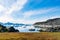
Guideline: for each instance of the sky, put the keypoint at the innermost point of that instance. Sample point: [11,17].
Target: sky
[28,11]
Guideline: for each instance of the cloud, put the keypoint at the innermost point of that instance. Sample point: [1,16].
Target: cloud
[7,3]
[18,5]
[15,6]
[28,15]
[55,17]
[26,29]
[8,18]
[7,11]
[5,18]
[2,8]
[39,11]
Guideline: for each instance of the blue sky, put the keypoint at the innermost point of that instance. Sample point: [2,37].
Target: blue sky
[28,11]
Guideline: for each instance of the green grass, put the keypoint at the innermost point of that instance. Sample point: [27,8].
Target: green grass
[30,36]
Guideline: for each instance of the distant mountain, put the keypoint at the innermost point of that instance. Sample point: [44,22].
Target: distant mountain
[55,21]
[8,24]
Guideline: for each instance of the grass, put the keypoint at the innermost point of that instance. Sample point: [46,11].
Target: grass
[30,36]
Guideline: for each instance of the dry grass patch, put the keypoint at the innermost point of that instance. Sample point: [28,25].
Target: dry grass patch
[30,36]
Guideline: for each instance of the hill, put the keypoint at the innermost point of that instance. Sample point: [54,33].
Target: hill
[55,21]
[51,25]
[5,29]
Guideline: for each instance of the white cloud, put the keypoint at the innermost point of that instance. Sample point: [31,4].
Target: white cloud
[6,11]
[55,17]
[39,11]
[28,14]
[15,6]
[1,8]
[8,18]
